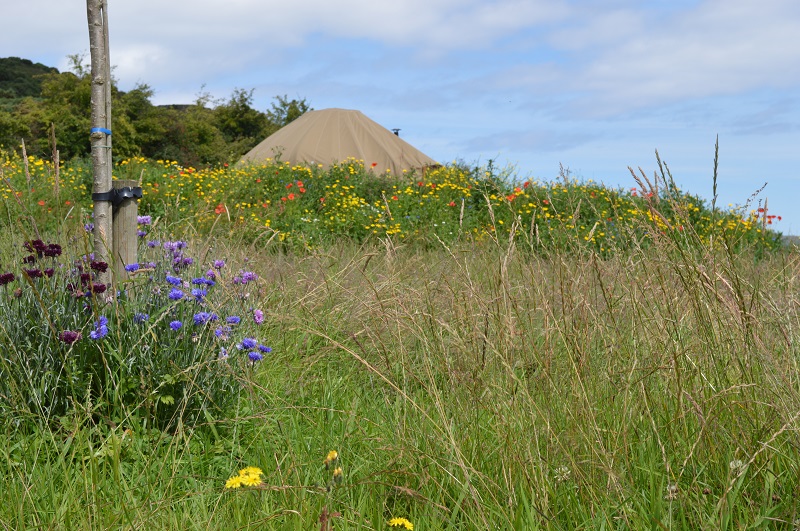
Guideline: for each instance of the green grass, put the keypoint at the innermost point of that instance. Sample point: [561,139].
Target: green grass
[468,384]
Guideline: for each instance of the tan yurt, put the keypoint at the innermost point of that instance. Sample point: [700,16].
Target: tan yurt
[329,136]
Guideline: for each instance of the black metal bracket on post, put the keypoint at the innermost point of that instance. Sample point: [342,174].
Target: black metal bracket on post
[118,195]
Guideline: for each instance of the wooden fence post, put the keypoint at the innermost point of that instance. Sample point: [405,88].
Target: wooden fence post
[124,230]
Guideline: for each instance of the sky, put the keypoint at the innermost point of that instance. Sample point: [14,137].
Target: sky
[595,86]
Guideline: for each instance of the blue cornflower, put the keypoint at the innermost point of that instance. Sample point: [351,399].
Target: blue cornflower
[199,294]
[265,349]
[130,268]
[175,294]
[175,281]
[202,318]
[153,243]
[223,353]
[233,319]
[140,318]
[248,343]
[88,227]
[140,233]
[200,281]
[175,325]
[255,356]
[222,332]
[100,328]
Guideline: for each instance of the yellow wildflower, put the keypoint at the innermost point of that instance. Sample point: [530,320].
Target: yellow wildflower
[234,483]
[250,471]
[401,522]
[250,480]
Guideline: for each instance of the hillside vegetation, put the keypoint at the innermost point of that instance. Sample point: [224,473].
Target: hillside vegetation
[40,103]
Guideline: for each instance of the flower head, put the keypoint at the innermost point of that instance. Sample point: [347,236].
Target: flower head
[69,336]
[144,220]
[400,522]
[255,356]
[258,316]
[175,294]
[175,281]
[248,343]
[175,325]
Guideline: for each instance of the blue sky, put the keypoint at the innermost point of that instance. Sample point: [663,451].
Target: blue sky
[594,85]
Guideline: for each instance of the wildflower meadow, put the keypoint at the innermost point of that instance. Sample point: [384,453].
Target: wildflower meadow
[311,348]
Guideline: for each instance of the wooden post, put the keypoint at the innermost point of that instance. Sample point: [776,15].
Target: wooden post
[125,231]
[100,133]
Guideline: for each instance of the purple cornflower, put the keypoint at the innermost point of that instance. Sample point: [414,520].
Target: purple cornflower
[144,220]
[233,319]
[97,288]
[6,278]
[130,268]
[248,276]
[88,227]
[100,267]
[175,325]
[247,344]
[219,264]
[255,356]
[69,336]
[49,272]
[140,233]
[100,328]
[204,317]
[175,294]
[223,353]
[153,243]
[52,250]
[211,275]
[33,273]
[258,316]
[175,281]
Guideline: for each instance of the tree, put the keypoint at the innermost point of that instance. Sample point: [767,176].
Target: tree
[285,111]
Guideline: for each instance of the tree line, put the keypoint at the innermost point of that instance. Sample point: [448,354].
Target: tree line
[39,103]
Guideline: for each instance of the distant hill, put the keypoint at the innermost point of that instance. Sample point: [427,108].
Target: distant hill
[21,77]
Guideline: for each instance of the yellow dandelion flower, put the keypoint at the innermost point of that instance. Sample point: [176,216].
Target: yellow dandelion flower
[333,455]
[250,471]
[234,483]
[250,481]
[400,522]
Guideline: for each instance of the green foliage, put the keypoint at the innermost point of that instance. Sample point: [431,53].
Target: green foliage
[20,78]
[205,133]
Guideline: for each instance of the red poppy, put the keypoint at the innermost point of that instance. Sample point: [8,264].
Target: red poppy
[220,209]
[291,196]
[451,204]
[41,203]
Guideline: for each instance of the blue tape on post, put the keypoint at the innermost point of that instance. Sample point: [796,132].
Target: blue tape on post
[100,130]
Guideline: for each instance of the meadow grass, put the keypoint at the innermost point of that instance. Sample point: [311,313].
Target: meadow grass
[481,384]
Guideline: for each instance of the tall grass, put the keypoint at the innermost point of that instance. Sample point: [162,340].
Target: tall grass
[465,385]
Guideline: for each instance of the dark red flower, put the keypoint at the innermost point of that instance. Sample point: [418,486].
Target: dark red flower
[69,336]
